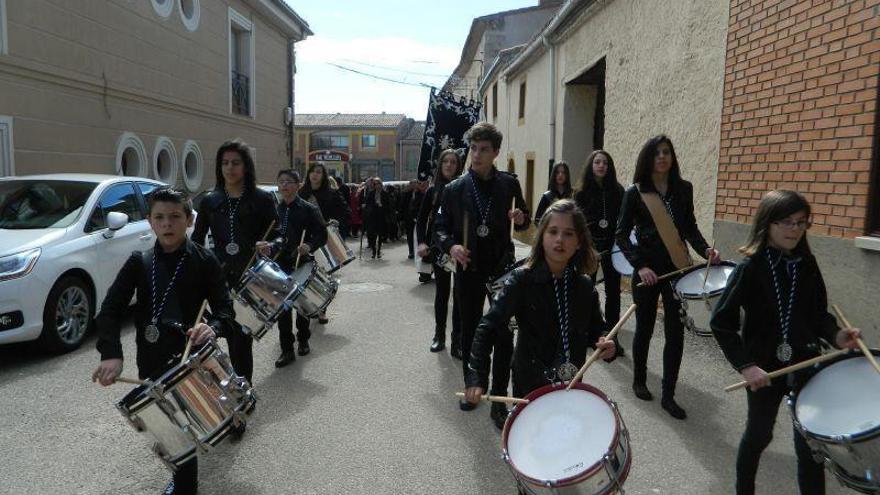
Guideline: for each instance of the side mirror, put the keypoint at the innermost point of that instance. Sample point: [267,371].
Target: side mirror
[115,221]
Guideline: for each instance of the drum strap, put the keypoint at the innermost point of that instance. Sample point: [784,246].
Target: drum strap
[676,248]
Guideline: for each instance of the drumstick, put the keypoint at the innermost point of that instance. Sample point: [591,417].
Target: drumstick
[498,398]
[302,241]
[512,207]
[133,381]
[254,255]
[708,264]
[189,341]
[667,275]
[595,355]
[867,352]
[794,367]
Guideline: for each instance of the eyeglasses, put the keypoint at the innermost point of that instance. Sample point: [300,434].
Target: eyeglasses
[287,182]
[791,224]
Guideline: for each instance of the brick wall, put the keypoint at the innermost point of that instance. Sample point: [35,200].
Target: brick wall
[800,96]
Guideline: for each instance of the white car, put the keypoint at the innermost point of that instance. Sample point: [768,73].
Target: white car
[63,239]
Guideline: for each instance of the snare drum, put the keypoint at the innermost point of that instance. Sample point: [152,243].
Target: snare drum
[446,262]
[567,441]
[618,259]
[335,253]
[267,290]
[838,412]
[190,408]
[315,289]
[690,285]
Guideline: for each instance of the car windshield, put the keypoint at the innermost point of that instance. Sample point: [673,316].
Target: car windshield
[33,204]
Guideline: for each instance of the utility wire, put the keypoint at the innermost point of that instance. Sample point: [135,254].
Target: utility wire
[382,78]
[384,67]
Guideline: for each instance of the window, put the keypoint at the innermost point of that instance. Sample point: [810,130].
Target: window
[165,161]
[4,42]
[193,167]
[7,150]
[241,64]
[412,160]
[163,7]
[324,142]
[522,101]
[190,13]
[495,101]
[368,141]
[147,189]
[121,198]
[131,156]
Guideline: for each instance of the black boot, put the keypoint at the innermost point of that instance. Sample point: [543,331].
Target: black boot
[674,410]
[642,391]
[439,342]
[499,414]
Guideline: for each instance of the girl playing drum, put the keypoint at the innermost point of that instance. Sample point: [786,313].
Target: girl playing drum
[780,289]
[546,296]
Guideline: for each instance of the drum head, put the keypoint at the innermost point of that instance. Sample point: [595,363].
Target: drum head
[690,285]
[842,399]
[620,262]
[561,434]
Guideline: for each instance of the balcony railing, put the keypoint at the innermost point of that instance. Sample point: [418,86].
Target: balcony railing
[241,93]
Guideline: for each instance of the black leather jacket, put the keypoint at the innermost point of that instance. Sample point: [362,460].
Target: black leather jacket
[300,214]
[331,203]
[651,252]
[457,199]
[547,199]
[529,296]
[598,203]
[255,212]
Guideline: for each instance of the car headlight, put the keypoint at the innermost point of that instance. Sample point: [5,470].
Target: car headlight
[19,264]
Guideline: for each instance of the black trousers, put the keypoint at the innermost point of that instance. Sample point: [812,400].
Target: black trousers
[441,306]
[410,236]
[612,291]
[645,299]
[241,353]
[285,330]
[763,408]
[470,294]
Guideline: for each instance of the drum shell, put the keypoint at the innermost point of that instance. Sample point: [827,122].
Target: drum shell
[192,406]
[335,252]
[686,285]
[315,289]
[266,290]
[850,456]
[595,479]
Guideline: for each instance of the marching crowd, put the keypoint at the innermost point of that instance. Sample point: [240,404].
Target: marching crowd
[462,224]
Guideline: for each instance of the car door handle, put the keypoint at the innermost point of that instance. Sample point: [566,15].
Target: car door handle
[145,237]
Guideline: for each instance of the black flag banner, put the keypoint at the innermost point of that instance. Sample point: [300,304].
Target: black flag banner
[448,120]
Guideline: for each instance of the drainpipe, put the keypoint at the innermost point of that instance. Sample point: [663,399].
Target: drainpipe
[291,73]
[552,48]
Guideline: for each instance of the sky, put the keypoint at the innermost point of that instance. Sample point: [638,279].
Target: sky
[413,41]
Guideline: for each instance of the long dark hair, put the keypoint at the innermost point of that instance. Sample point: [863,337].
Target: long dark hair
[440,180]
[588,177]
[247,157]
[552,185]
[307,183]
[776,205]
[586,259]
[645,162]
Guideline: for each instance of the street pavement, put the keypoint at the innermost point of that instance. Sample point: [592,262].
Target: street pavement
[369,411]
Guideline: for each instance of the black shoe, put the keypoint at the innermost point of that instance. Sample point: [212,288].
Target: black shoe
[238,431]
[466,406]
[379,255]
[672,408]
[323,320]
[437,345]
[286,358]
[410,257]
[169,489]
[374,255]
[455,352]
[304,348]
[642,391]
[499,414]
[424,278]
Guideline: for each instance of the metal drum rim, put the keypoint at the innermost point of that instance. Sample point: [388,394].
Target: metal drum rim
[710,294]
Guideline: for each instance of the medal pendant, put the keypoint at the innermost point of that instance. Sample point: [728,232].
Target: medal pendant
[232,249]
[783,352]
[603,224]
[151,333]
[566,371]
[482,230]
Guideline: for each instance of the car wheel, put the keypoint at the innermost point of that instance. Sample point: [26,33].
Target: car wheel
[67,316]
